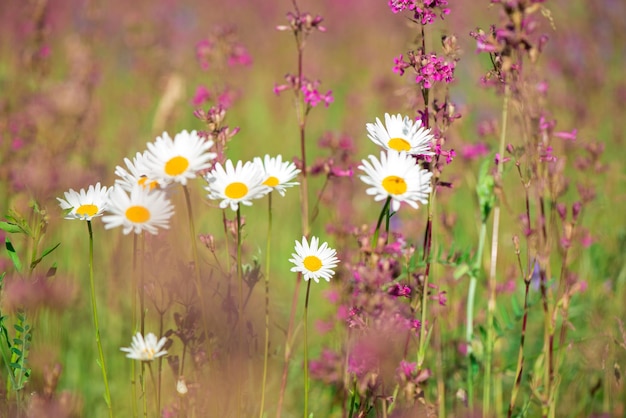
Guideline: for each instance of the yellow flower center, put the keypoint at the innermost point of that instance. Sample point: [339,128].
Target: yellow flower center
[394,185]
[312,263]
[236,190]
[271,181]
[87,210]
[149,353]
[176,166]
[399,144]
[138,214]
[151,184]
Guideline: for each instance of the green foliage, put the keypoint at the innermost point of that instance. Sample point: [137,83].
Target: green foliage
[485,190]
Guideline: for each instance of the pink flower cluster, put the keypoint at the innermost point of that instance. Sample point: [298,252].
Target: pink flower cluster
[429,68]
[312,96]
[222,47]
[423,11]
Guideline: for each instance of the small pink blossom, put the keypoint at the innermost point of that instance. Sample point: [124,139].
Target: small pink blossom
[571,136]
[500,160]
[201,96]
[474,151]
[17,143]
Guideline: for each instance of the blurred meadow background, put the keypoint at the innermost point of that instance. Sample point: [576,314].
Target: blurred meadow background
[85,84]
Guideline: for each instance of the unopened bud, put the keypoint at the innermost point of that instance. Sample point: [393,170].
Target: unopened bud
[181,386]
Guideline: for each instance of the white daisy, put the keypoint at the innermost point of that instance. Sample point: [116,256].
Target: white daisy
[85,205]
[398,176]
[277,174]
[145,349]
[180,159]
[236,185]
[143,210]
[137,172]
[401,135]
[314,262]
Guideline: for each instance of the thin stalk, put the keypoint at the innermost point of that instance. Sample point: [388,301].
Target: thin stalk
[469,325]
[527,279]
[160,367]
[267,302]
[491,304]
[142,285]
[154,385]
[520,356]
[196,261]
[143,390]
[441,385]
[306,351]
[240,319]
[142,316]
[304,208]
[133,367]
[94,310]
[421,353]
[383,212]
[353,398]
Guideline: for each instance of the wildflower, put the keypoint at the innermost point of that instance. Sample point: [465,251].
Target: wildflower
[236,184]
[181,386]
[201,96]
[314,261]
[180,159]
[136,172]
[145,349]
[396,176]
[143,210]
[400,135]
[85,205]
[277,174]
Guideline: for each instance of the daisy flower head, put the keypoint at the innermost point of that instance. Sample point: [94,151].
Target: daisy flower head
[314,261]
[276,173]
[142,210]
[236,184]
[85,205]
[137,171]
[178,160]
[400,134]
[398,176]
[145,349]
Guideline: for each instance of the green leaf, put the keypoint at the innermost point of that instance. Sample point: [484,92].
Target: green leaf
[16,351]
[45,253]
[11,228]
[461,271]
[13,254]
[485,190]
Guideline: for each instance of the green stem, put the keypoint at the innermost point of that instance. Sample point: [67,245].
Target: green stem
[383,212]
[160,367]
[469,330]
[154,385]
[94,308]
[491,305]
[421,353]
[240,319]
[306,351]
[267,302]
[353,399]
[196,261]
[133,366]
[143,389]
